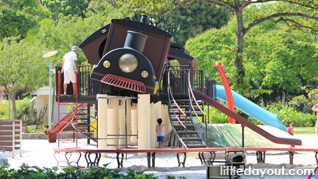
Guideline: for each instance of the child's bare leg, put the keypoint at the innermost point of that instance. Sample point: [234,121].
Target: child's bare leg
[160,144]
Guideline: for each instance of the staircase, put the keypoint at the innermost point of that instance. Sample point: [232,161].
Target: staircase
[84,120]
[182,115]
[184,125]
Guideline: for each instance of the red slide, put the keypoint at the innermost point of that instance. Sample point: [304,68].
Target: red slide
[245,122]
[51,133]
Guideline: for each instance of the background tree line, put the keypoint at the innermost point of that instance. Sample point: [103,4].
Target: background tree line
[279,54]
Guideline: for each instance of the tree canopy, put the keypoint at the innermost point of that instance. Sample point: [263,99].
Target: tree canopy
[192,20]
[294,13]
[279,37]
[277,62]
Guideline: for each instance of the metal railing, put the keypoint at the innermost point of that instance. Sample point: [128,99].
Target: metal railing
[179,80]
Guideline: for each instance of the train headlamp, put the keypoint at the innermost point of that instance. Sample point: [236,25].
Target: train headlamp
[144,74]
[128,63]
[106,64]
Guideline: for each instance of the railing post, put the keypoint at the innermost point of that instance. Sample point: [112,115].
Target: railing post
[202,81]
[243,136]
[191,74]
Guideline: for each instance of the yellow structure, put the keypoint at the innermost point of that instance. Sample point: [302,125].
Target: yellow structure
[123,123]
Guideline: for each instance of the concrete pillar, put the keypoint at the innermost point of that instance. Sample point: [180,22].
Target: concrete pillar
[112,123]
[152,126]
[165,119]
[129,121]
[134,123]
[156,111]
[102,120]
[143,121]
[121,120]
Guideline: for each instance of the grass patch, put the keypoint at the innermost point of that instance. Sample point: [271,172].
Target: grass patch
[305,130]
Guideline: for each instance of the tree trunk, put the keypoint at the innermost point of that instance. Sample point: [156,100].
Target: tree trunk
[239,46]
[14,106]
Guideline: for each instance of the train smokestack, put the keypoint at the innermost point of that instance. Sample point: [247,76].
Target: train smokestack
[144,19]
[135,40]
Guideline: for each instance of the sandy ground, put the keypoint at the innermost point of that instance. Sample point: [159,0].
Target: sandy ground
[40,153]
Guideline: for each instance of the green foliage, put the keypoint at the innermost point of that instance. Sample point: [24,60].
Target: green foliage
[66,7]
[215,116]
[17,17]
[289,116]
[41,130]
[278,62]
[215,45]
[26,171]
[192,20]
[22,66]
[25,111]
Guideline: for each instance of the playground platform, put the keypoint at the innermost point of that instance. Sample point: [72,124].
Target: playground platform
[40,153]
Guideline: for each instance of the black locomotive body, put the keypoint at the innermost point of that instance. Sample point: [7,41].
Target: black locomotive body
[129,56]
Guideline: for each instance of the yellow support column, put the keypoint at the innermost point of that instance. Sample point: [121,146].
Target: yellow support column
[121,119]
[129,121]
[113,123]
[102,120]
[156,113]
[165,119]
[152,126]
[134,124]
[143,121]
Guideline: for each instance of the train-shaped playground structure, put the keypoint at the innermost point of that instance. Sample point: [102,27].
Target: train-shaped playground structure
[129,59]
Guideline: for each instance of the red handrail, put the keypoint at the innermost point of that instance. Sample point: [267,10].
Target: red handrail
[58,100]
[76,96]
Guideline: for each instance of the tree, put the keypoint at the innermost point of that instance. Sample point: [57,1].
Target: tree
[279,62]
[293,13]
[20,67]
[17,17]
[66,7]
[189,21]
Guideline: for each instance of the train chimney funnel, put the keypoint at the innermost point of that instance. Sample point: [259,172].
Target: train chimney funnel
[144,19]
[135,40]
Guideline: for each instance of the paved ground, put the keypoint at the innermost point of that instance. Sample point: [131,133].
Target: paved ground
[40,153]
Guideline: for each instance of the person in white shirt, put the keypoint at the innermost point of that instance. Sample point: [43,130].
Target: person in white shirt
[69,68]
[159,131]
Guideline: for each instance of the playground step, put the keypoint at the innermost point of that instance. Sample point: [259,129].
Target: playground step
[180,127]
[196,145]
[187,132]
[181,119]
[184,105]
[191,139]
[177,112]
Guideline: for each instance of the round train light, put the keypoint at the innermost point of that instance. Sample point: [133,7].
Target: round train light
[106,64]
[144,74]
[128,63]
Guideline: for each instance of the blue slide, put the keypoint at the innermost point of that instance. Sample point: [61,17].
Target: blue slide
[251,109]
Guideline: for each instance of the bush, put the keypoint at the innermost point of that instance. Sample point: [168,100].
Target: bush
[284,113]
[289,116]
[26,171]
[25,112]
[216,116]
